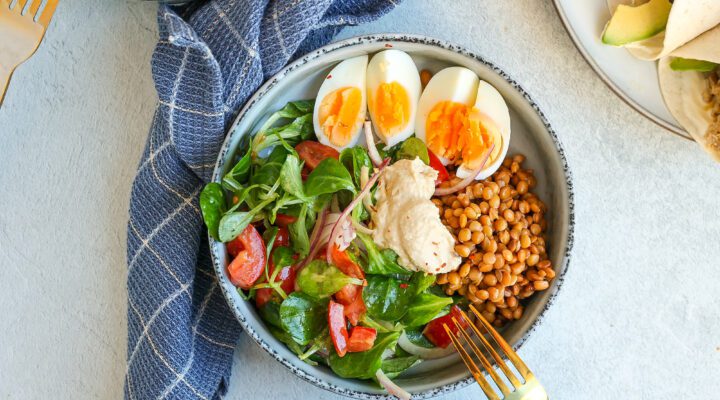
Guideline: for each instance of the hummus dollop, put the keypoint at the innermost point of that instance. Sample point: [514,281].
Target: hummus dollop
[407,222]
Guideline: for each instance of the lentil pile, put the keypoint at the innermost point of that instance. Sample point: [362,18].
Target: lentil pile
[712,97]
[499,226]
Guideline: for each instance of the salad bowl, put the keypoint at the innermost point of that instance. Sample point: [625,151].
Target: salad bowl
[532,136]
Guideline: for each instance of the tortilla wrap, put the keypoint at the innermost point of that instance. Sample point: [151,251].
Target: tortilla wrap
[688,19]
[682,92]
[705,47]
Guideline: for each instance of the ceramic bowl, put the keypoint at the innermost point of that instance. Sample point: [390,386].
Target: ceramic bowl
[531,135]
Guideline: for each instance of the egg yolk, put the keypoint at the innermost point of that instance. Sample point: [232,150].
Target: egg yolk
[461,134]
[390,108]
[338,114]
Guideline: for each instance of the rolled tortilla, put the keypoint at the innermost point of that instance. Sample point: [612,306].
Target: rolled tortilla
[688,19]
[705,47]
[682,92]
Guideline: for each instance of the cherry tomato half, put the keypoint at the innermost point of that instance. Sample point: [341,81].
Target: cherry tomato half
[249,262]
[338,328]
[282,238]
[435,331]
[313,152]
[361,338]
[284,219]
[355,309]
[286,275]
[345,264]
[437,166]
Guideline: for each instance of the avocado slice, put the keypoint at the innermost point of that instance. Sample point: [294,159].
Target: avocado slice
[688,64]
[631,24]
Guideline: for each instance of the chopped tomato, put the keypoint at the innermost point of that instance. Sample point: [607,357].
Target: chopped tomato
[356,308]
[347,294]
[338,328]
[361,338]
[284,219]
[313,152]
[283,237]
[249,263]
[437,166]
[435,331]
[286,276]
[345,264]
[263,296]
[305,172]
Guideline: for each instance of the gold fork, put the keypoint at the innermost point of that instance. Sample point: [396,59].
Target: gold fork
[20,34]
[529,390]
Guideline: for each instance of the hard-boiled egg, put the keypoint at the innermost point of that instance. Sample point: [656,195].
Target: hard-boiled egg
[460,117]
[341,103]
[393,87]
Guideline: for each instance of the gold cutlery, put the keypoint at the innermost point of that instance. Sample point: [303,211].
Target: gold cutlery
[21,32]
[469,334]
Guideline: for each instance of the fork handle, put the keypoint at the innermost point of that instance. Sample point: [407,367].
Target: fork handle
[5,74]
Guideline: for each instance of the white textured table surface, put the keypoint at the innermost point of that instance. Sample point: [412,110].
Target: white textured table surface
[638,316]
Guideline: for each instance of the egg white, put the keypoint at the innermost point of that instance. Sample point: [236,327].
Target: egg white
[491,102]
[349,73]
[394,66]
[456,84]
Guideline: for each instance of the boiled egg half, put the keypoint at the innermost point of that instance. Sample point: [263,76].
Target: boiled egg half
[460,117]
[341,103]
[393,87]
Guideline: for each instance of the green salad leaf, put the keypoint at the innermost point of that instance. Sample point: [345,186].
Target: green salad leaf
[285,337]
[239,173]
[320,279]
[421,281]
[413,147]
[270,313]
[212,206]
[387,298]
[416,337]
[329,176]
[269,171]
[354,158]
[392,367]
[381,262]
[299,233]
[363,365]
[299,128]
[290,178]
[303,317]
[424,308]
[232,224]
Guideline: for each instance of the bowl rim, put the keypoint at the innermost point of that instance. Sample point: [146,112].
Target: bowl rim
[669,126]
[381,38]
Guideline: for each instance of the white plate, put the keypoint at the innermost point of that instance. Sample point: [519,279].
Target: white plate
[635,81]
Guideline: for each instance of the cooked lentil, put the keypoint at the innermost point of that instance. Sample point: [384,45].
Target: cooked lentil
[712,97]
[499,226]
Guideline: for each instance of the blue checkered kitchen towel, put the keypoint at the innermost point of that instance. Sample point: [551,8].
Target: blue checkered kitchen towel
[181,333]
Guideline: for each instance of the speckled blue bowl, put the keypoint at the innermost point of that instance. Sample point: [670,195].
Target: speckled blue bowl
[531,135]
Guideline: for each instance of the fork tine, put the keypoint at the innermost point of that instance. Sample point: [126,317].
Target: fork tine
[34,7]
[47,13]
[498,360]
[498,381]
[20,5]
[509,352]
[474,370]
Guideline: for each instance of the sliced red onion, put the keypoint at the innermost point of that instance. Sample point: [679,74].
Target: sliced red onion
[463,183]
[314,239]
[372,150]
[366,189]
[391,387]
[347,231]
